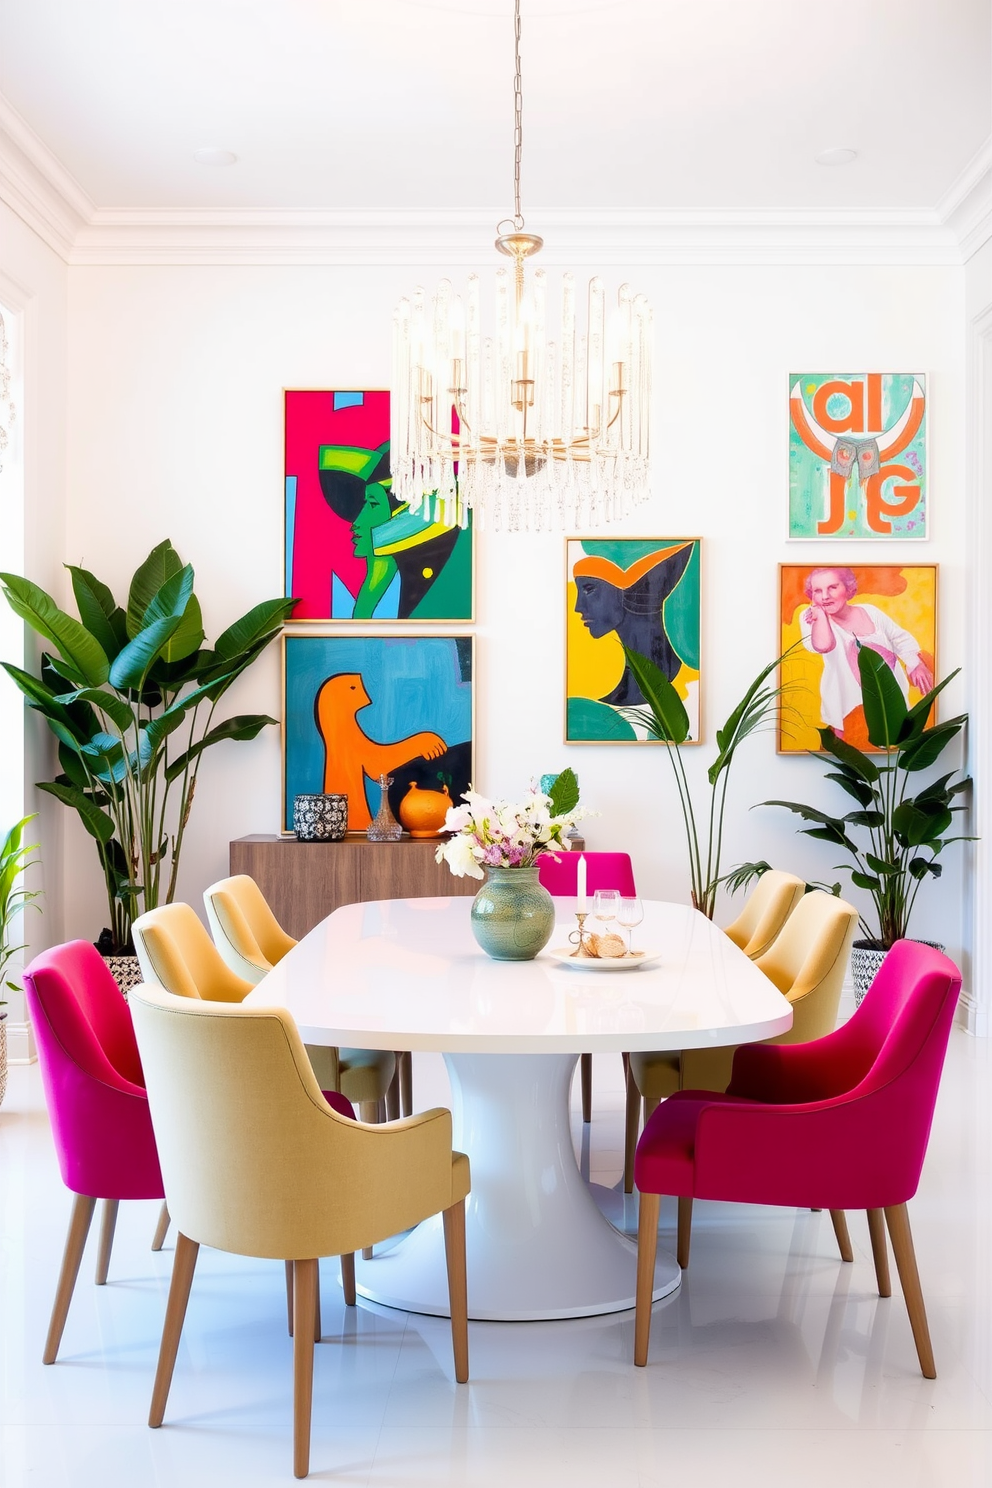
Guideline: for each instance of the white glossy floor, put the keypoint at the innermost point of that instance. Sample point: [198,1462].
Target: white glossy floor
[776,1365]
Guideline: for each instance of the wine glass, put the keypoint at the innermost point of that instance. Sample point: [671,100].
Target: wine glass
[630,912]
[605,905]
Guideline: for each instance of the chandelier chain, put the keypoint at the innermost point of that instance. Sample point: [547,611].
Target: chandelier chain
[518,126]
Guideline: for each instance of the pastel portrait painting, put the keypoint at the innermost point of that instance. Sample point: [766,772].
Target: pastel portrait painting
[642,593]
[353,551]
[827,615]
[357,707]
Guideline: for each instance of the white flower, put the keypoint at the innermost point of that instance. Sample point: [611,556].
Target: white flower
[459,854]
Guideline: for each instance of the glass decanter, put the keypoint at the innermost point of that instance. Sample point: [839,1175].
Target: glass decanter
[385,827]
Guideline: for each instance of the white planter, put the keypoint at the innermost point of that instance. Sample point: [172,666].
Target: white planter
[865,961]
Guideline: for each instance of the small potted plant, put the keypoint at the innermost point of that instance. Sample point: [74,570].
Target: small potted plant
[13,897]
[893,839]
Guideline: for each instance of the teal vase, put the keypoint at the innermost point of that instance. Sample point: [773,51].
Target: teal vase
[513,915]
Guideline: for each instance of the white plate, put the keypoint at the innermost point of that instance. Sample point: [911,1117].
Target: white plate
[565,955]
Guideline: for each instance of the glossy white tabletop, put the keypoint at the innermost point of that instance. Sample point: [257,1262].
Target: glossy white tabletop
[408,974]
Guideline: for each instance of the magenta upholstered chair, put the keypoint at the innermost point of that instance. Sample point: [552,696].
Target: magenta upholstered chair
[96,1103]
[604,870]
[839,1123]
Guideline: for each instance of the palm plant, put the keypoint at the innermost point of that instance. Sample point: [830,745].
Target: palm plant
[130,694]
[13,895]
[666,719]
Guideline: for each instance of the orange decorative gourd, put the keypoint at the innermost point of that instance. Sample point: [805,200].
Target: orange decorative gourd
[422,812]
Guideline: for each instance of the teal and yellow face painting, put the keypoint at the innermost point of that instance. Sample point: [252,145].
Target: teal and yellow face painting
[858,455]
[637,592]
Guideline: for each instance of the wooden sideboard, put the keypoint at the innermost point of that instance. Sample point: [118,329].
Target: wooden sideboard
[305,881]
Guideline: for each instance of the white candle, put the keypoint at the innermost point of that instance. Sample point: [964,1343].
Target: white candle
[580,881]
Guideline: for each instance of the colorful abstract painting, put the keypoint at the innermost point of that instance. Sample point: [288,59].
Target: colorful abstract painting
[827,615]
[352,551]
[858,455]
[638,592]
[357,707]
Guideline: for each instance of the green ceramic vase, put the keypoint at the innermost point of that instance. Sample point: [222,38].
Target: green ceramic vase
[513,915]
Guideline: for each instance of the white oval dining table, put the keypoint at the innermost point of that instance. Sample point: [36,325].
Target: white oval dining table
[408,974]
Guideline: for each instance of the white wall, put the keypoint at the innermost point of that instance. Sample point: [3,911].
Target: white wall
[175,428]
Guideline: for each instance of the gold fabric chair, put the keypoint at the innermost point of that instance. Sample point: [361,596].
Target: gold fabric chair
[176,952]
[768,906]
[807,962]
[282,1175]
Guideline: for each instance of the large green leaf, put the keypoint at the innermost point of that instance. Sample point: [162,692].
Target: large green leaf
[265,618]
[176,599]
[130,667]
[243,726]
[670,718]
[915,827]
[116,709]
[98,610]
[96,822]
[44,700]
[916,718]
[848,755]
[862,880]
[162,562]
[856,787]
[928,748]
[564,793]
[885,707]
[71,639]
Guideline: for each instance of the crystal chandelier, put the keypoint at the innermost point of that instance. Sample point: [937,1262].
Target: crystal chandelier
[527,432]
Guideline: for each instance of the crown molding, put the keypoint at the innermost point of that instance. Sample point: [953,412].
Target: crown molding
[38,188]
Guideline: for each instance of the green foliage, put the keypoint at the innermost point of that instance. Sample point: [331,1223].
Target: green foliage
[666,719]
[14,896]
[130,696]
[893,839]
[564,793]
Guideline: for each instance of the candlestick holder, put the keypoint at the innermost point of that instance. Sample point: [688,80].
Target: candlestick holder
[581,933]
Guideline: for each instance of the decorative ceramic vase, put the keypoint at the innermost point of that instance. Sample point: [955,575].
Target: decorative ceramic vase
[125,970]
[320,818]
[866,958]
[384,827]
[513,915]
[422,812]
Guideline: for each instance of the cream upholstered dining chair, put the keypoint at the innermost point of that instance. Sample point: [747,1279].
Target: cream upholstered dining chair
[282,1175]
[807,962]
[768,906]
[251,941]
[176,952]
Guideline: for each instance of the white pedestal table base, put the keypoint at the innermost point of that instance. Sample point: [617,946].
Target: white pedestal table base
[538,1246]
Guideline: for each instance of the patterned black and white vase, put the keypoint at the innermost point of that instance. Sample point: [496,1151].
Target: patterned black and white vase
[125,970]
[866,958]
[320,818]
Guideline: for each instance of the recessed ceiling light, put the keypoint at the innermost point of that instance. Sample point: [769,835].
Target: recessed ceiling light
[212,156]
[836,157]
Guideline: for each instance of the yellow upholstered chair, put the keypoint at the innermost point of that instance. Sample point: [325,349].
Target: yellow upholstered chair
[176,952]
[768,906]
[282,1175]
[807,962]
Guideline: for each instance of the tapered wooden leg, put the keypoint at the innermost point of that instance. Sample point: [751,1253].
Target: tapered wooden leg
[405,1059]
[348,1279]
[632,1121]
[880,1251]
[107,1227]
[647,1249]
[684,1232]
[183,1266]
[161,1229]
[289,1297]
[897,1219]
[393,1096]
[316,1308]
[304,1299]
[75,1242]
[454,1256]
[839,1221]
[585,1075]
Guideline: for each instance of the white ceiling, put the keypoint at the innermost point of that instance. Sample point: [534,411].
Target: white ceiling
[370,106]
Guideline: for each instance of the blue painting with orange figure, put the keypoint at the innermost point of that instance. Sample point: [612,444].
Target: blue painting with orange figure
[353,552]
[357,707]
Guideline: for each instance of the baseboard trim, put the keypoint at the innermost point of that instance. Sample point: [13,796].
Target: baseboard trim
[20,1043]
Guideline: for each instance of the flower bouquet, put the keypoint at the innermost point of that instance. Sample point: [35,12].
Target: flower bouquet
[510,834]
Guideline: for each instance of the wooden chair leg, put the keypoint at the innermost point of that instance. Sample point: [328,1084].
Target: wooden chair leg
[405,1059]
[839,1221]
[289,1297]
[684,1232]
[585,1075]
[75,1242]
[880,1251]
[632,1121]
[304,1301]
[183,1267]
[393,1096]
[107,1227]
[348,1279]
[647,1250]
[454,1256]
[897,1219]
[317,1333]
[162,1228]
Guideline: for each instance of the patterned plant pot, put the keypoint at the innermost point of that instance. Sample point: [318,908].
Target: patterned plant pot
[125,970]
[320,818]
[3,1056]
[866,958]
[513,915]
